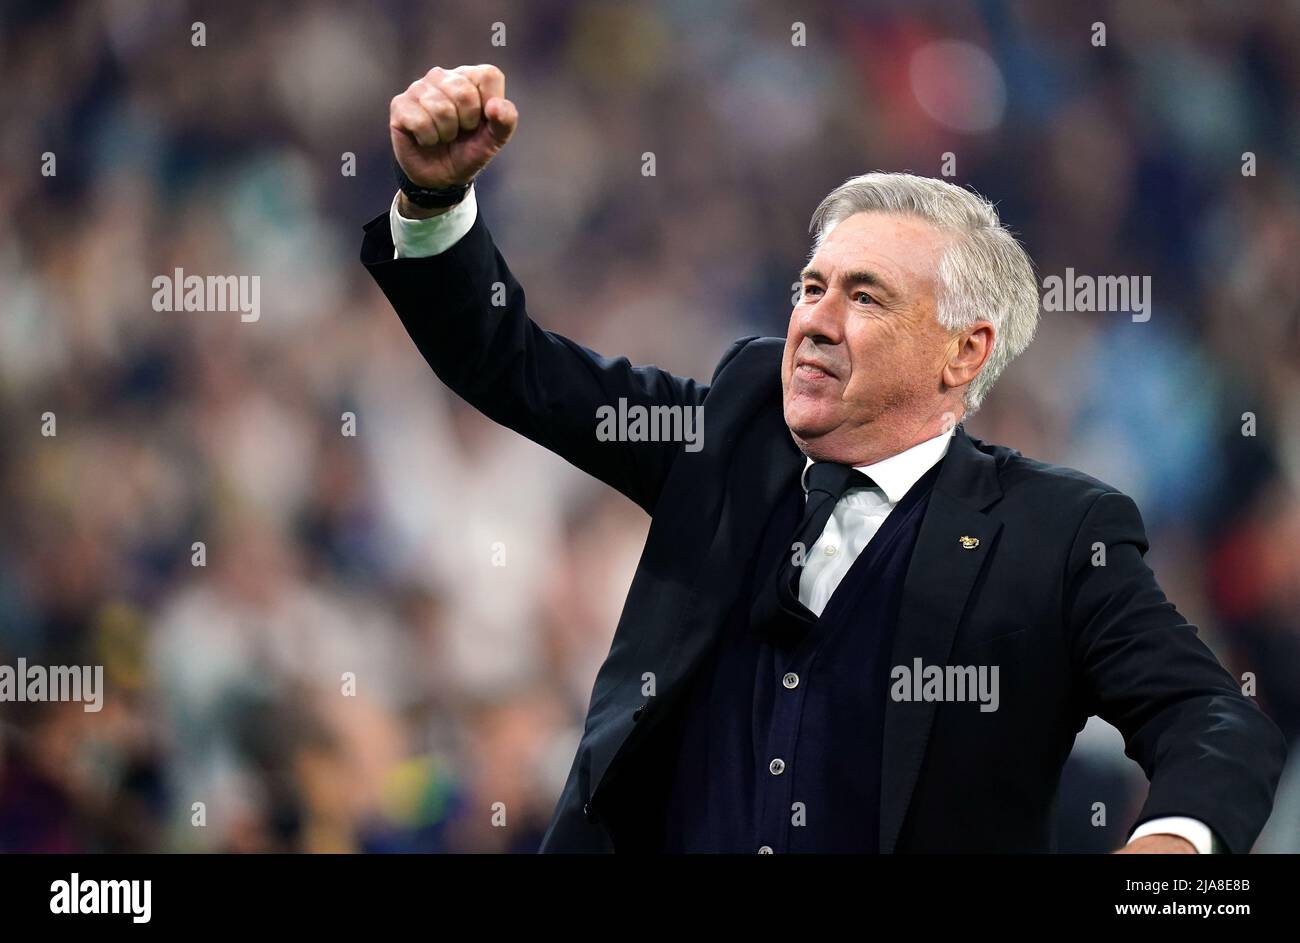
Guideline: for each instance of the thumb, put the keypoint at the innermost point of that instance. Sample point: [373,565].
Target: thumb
[503,117]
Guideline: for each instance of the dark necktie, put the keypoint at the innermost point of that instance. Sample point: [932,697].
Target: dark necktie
[827,483]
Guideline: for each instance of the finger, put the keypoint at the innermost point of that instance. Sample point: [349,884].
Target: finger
[406,115]
[502,117]
[440,108]
[464,94]
[490,81]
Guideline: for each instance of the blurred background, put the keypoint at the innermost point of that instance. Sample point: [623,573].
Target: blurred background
[374,553]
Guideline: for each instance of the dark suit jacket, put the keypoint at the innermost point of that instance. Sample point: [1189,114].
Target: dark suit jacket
[1071,639]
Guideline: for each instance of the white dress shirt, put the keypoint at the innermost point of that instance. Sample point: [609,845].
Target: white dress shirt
[417,238]
[856,517]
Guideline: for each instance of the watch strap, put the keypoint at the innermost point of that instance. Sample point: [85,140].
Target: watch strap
[429,198]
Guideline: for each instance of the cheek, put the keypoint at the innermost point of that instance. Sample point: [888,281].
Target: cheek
[792,338]
[882,358]
[867,347]
[793,335]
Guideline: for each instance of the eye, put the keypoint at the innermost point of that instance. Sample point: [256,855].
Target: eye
[810,289]
[862,295]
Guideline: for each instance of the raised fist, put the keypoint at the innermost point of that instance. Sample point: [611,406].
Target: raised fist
[449,124]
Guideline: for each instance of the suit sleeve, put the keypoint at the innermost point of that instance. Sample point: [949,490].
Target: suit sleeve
[541,385]
[1208,751]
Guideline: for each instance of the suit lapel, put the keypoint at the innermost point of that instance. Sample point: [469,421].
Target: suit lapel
[752,476]
[759,478]
[939,581]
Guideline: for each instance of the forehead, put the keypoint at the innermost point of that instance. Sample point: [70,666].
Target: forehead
[903,250]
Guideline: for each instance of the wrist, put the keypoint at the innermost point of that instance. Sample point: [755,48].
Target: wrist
[408,210]
[429,198]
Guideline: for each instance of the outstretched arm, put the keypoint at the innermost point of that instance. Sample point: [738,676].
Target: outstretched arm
[468,316]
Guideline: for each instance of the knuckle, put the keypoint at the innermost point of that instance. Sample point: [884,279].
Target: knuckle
[457,84]
[464,96]
[439,106]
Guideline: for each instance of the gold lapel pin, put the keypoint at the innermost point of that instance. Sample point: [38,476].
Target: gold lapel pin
[968,543]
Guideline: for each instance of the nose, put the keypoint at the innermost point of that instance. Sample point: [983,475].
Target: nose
[822,320]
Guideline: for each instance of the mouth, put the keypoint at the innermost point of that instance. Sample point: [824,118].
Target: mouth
[813,370]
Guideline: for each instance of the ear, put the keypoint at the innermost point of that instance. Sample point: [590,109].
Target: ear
[967,354]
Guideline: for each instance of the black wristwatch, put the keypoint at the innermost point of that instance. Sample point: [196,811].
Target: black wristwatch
[429,198]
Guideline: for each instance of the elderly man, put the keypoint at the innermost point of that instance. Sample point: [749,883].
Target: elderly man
[854,627]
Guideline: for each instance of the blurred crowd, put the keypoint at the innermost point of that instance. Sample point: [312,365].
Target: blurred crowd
[458,581]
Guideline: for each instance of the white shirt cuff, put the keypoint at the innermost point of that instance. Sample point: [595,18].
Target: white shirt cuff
[1196,832]
[419,238]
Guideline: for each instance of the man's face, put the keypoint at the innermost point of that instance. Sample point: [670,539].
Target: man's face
[864,346]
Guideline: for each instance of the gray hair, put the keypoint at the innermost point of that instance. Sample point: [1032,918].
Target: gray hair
[984,273]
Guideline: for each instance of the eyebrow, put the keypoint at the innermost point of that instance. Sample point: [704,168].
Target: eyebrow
[853,278]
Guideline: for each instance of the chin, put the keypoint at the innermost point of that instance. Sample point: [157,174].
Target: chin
[809,418]
[806,432]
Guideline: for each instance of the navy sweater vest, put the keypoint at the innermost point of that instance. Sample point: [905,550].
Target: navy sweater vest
[776,743]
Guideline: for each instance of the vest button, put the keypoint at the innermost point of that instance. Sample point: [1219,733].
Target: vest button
[777,766]
[791,680]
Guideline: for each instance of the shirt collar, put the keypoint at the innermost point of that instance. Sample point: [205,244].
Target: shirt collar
[896,474]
